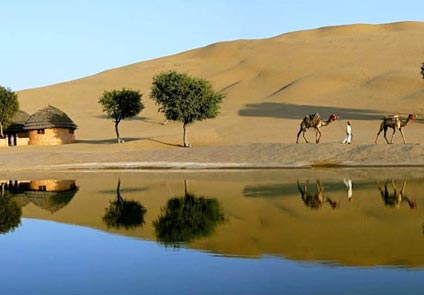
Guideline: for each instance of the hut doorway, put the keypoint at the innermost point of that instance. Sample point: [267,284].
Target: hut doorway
[12,140]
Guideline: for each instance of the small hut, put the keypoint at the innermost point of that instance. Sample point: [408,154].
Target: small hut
[50,126]
[15,133]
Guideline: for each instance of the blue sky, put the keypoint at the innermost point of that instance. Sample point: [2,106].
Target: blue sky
[45,42]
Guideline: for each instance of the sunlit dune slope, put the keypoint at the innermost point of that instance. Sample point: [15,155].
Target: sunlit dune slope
[359,72]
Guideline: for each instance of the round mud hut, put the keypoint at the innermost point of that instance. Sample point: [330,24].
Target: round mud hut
[50,126]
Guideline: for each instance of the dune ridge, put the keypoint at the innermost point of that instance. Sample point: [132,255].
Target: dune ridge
[359,71]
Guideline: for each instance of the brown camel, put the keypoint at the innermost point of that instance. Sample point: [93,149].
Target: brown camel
[394,122]
[314,121]
[397,197]
[314,200]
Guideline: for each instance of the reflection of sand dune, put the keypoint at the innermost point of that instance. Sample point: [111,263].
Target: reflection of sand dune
[361,232]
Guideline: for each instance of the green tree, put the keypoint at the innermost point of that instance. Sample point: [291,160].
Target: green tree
[184,98]
[187,218]
[9,106]
[120,105]
[124,213]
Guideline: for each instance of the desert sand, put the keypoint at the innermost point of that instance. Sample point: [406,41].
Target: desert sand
[359,72]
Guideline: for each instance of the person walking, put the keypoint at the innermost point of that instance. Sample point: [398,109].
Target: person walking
[348,138]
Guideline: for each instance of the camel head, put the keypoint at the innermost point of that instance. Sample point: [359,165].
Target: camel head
[412,117]
[333,117]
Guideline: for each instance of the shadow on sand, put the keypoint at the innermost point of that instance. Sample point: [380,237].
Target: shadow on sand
[126,139]
[292,111]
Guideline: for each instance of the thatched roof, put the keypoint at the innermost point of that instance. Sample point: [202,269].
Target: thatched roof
[49,117]
[18,122]
[50,201]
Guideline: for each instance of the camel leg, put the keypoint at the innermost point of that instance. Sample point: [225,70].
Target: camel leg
[385,135]
[302,192]
[403,135]
[378,133]
[377,136]
[304,131]
[298,134]
[393,135]
[316,135]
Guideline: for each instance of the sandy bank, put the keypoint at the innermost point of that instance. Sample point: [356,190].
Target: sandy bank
[127,156]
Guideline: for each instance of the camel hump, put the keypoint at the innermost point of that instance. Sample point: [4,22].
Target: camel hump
[392,116]
[314,116]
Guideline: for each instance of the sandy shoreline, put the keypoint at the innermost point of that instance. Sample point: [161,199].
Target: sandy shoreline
[248,156]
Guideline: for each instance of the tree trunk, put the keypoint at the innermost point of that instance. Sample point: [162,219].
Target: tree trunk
[1,130]
[118,191]
[186,144]
[185,187]
[117,131]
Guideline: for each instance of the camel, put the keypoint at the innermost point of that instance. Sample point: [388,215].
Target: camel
[422,70]
[394,122]
[314,201]
[397,197]
[314,121]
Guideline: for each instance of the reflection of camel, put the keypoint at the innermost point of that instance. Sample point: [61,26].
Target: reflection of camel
[314,121]
[397,197]
[315,200]
[394,122]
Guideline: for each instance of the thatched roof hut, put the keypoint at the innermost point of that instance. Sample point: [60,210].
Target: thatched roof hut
[50,126]
[18,122]
[49,117]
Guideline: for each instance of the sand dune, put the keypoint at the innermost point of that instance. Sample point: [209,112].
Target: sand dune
[360,72]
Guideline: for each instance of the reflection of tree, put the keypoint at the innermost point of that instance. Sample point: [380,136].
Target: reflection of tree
[314,200]
[124,213]
[395,198]
[10,213]
[187,218]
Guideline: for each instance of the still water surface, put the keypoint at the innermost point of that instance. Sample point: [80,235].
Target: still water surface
[328,231]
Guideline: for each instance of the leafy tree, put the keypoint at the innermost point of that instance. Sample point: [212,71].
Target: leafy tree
[9,106]
[187,218]
[120,105]
[184,98]
[124,213]
[10,212]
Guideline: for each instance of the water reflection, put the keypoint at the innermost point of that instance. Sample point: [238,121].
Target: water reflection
[10,212]
[50,195]
[396,197]
[349,189]
[314,200]
[186,218]
[266,212]
[123,213]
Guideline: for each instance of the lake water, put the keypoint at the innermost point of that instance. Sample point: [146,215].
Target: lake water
[312,231]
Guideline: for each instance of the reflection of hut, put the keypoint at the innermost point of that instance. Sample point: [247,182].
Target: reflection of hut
[50,195]
[15,133]
[50,126]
